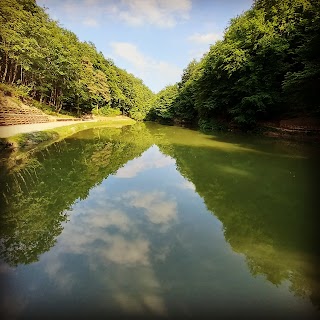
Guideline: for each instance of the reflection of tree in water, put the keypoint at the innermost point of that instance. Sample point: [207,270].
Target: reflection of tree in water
[34,200]
[259,198]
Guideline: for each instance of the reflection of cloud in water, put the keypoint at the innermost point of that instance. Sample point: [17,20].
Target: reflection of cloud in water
[98,234]
[138,291]
[64,280]
[102,219]
[162,253]
[152,158]
[157,207]
[129,252]
[115,246]
[134,304]
[186,184]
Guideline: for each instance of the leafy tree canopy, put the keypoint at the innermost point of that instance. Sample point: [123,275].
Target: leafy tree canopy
[60,70]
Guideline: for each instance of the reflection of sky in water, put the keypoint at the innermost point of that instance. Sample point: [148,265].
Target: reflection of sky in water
[143,242]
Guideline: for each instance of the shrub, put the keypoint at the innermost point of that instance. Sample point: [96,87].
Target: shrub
[211,125]
[106,112]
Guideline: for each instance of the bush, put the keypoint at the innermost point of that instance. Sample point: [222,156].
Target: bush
[20,91]
[137,115]
[106,112]
[211,125]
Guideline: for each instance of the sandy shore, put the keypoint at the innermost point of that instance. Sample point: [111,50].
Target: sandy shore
[9,131]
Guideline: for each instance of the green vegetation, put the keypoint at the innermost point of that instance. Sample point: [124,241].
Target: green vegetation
[266,67]
[49,64]
[106,111]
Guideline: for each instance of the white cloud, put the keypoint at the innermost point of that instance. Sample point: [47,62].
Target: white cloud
[162,13]
[205,38]
[202,42]
[90,22]
[198,53]
[129,52]
[157,73]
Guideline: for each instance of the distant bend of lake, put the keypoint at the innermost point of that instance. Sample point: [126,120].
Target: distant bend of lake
[159,221]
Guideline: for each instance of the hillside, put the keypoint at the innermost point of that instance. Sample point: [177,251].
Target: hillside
[266,68]
[13,113]
[49,64]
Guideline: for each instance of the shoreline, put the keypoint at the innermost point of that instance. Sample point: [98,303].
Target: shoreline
[29,136]
[15,150]
[10,131]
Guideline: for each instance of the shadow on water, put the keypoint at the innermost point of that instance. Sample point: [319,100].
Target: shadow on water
[259,190]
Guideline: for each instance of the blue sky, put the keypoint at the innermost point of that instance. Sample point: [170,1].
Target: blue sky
[153,39]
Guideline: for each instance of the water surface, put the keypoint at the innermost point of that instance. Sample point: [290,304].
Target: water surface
[151,220]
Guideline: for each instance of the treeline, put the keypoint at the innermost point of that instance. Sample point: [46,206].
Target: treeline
[51,65]
[267,66]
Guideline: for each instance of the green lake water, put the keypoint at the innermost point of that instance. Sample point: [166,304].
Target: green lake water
[152,220]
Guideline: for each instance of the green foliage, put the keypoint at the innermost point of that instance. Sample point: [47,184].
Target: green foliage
[51,65]
[267,66]
[163,104]
[207,125]
[302,81]
[15,91]
[106,111]
[137,115]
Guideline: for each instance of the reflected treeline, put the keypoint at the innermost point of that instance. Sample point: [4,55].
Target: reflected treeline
[261,195]
[259,192]
[34,200]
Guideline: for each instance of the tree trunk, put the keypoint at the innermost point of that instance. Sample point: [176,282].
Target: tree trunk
[51,98]
[14,74]
[10,73]
[5,69]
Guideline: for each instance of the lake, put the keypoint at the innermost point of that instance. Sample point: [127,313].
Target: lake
[160,221]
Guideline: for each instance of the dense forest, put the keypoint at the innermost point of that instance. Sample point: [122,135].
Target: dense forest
[50,64]
[266,67]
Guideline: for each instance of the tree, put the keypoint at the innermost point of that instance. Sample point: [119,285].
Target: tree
[60,70]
